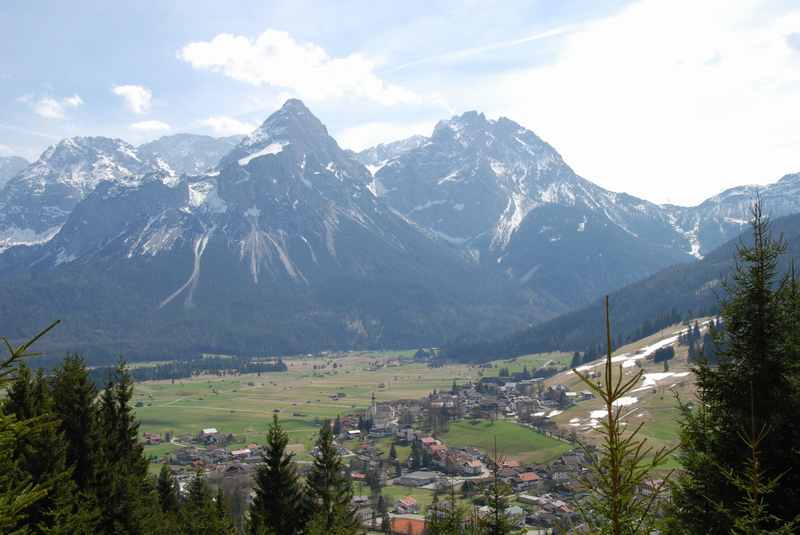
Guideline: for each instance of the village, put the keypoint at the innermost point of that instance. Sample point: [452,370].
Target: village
[401,464]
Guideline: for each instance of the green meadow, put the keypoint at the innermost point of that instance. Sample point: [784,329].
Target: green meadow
[513,440]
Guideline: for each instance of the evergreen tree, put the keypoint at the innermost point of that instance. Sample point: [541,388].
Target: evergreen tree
[199,514]
[223,513]
[758,353]
[277,505]
[624,461]
[329,490]
[497,521]
[337,426]
[18,493]
[386,522]
[416,455]
[42,454]
[167,489]
[392,452]
[123,491]
[446,517]
[73,403]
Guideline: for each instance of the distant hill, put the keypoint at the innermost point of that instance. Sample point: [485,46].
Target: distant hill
[683,290]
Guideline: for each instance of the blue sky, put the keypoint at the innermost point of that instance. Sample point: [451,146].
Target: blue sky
[669,100]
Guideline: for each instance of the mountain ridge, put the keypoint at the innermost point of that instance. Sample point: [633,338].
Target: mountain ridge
[289,238]
[291,242]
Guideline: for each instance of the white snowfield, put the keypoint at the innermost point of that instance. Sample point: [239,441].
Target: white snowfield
[649,380]
[272,148]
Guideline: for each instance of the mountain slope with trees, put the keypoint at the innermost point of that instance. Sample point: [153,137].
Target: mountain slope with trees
[678,292]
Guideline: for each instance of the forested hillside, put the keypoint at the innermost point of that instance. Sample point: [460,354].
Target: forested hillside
[679,292]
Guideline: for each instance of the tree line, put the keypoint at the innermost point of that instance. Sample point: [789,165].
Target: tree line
[186,369]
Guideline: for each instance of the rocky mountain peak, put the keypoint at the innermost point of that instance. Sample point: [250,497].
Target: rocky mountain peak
[292,121]
[9,167]
[292,148]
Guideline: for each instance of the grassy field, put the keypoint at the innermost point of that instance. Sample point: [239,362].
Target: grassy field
[313,390]
[302,397]
[532,362]
[393,493]
[513,440]
[656,407]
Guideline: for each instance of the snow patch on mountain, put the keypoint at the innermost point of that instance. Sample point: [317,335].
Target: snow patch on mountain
[12,236]
[518,207]
[156,237]
[374,168]
[203,194]
[271,149]
[199,247]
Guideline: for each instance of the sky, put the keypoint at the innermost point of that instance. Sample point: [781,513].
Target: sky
[669,100]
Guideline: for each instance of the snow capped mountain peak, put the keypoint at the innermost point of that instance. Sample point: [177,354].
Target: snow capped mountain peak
[293,119]
[36,202]
[291,148]
[463,129]
[474,178]
[80,163]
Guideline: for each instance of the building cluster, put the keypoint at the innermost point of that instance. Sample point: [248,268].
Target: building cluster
[543,497]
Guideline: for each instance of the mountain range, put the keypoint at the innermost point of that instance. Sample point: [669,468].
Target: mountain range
[283,242]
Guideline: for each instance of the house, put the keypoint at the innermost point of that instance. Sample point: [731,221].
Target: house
[354,433]
[407,505]
[152,438]
[359,501]
[417,479]
[472,468]
[527,481]
[209,435]
[241,453]
[381,430]
[407,525]
[427,442]
[528,477]
[405,434]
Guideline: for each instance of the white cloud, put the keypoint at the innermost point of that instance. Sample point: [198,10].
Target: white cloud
[227,126]
[138,98]
[72,102]
[150,126]
[367,135]
[5,150]
[275,59]
[668,100]
[49,107]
